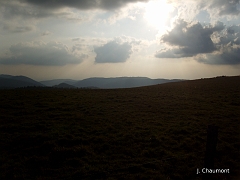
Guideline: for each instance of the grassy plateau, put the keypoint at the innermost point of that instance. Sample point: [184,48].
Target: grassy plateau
[152,132]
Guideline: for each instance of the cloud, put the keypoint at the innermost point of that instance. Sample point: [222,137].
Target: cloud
[36,10]
[231,35]
[187,40]
[12,10]
[15,9]
[75,39]
[209,44]
[17,29]
[228,48]
[170,53]
[214,7]
[45,33]
[224,7]
[128,12]
[113,52]
[228,55]
[137,45]
[39,53]
[82,4]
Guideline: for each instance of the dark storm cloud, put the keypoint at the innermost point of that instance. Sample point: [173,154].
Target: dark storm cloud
[50,54]
[113,52]
[82,4]
[188,40]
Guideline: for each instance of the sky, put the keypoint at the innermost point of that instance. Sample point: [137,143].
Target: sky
[78,39]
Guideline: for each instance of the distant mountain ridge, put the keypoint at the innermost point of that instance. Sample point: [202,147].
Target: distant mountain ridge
[121,82]
[8,81]
[55,82]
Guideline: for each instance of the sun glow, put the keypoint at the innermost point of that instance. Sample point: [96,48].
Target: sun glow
[157,13]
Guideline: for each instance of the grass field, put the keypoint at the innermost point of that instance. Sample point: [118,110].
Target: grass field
[155,132]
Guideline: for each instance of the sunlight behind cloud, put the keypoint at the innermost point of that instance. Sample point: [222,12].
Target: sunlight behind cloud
[157,13]
[113,38]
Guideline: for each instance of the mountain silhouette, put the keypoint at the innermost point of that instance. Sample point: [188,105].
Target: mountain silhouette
[8,81]
[121,82]
[55,82]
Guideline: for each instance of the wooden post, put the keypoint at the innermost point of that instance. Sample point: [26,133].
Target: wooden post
[212,136]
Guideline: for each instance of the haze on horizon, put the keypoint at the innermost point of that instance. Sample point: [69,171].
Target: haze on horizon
[77,39]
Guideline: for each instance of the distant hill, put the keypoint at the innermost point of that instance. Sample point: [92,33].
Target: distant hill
[55,82]
[64,85]
[8,81]
[121,82]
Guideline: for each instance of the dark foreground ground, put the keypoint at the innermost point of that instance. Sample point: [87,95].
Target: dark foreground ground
[155,132]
